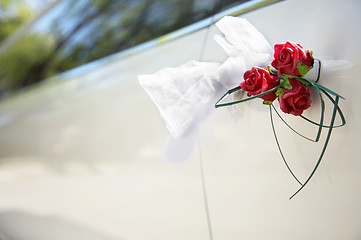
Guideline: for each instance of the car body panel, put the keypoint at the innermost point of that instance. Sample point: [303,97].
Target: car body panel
[248,183]
[84,149]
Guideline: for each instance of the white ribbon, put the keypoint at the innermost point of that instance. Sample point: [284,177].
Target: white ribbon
[186,95]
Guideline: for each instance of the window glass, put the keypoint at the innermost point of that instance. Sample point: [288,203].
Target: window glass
[77,32]
[230,3]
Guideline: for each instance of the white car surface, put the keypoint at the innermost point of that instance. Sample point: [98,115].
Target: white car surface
[79,156]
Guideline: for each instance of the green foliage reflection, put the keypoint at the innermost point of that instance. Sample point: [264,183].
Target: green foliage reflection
[78,32]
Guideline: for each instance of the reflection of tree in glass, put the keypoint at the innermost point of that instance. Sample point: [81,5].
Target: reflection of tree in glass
[118,25]
[16,61]
[13,14]
[86,30]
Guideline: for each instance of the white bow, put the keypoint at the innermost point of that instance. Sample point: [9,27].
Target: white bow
[186,95]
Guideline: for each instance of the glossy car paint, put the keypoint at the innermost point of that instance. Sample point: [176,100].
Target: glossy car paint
[80,154]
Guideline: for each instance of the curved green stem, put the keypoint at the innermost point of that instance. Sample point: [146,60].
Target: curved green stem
[323,149]
[279,148]
[343,121]
[218,104]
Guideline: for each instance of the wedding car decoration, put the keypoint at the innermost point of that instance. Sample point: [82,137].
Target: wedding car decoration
[286,82]
[187,94]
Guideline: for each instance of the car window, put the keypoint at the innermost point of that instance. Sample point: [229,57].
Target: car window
[74,33]
[230,3]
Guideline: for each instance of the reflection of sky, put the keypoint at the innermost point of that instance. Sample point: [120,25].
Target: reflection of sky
[39,5]
[44,24]
[62,19]
[61,11]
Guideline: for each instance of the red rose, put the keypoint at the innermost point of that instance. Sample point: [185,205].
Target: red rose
[259,80]
[295,100]
[288,55]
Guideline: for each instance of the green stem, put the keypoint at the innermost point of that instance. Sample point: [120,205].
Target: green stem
[218,104]
[279,147]
[323,149]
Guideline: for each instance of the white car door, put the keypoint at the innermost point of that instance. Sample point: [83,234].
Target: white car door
[80,153]
[248,184]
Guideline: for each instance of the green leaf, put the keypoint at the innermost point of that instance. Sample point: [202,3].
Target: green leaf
[303,82]
[287,84]
[271,70]
[268,102]
[268,68]
[280,92]
[303,68]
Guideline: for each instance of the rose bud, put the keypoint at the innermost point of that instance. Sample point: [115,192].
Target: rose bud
[259,80]
[290,58]
[295,100]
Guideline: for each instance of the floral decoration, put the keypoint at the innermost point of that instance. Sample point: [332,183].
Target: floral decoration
[285,80]
[183,94]
[296,99]
[290,58]
[290,61]
[259,80]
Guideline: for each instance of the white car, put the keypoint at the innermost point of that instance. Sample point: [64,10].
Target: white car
[80,151]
